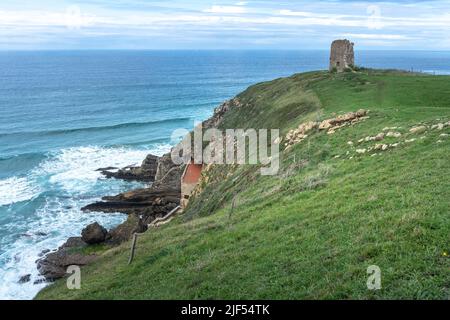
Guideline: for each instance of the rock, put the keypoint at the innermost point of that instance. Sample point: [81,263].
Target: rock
[332,125]
[144,201]
[146,172]
[24,279]
[418,130]
[107,169]
[438,126]
[379,137]
[410,140]
[54,265]
[308,126]
[361,151]
[390,128]
[125,231]
[443,135]
[43,252]
[220,111]
[94,234]
[73,242]
[326,124]
[40,281]
[392,134]
[165,164]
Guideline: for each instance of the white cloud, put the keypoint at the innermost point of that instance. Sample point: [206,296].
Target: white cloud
[295,13]
[226,9]
[371,36]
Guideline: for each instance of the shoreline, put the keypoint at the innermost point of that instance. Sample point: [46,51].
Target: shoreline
[142,206]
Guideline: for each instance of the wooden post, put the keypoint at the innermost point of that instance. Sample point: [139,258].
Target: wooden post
[133,247]
[233,204]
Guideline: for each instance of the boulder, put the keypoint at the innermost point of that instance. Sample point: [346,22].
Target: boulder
[392,134]
[94,234]
[24,279]
[419,129]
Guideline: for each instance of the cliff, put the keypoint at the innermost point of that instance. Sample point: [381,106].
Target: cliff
[362,182]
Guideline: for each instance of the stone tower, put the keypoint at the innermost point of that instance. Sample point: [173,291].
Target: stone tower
[342,55]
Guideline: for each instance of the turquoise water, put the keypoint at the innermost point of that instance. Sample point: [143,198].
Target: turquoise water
[65,114]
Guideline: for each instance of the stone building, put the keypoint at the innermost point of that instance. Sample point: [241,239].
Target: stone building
[342,55]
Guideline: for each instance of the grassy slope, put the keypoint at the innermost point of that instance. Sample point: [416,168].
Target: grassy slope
[312,231]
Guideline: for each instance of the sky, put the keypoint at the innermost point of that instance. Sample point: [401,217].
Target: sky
[227,24]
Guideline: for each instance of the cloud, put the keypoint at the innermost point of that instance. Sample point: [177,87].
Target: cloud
[291,13]
[367,36]
[297,23]
[226,9]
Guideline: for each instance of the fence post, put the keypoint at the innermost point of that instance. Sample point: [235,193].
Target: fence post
[133,247]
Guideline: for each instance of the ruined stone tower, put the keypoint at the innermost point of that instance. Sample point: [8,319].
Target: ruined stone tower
[342,55]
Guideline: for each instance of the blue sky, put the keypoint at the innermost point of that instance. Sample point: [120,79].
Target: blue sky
[259,24]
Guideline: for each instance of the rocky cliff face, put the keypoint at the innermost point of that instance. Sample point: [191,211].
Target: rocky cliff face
[220,111]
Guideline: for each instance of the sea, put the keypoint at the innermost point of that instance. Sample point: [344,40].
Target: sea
[65,114]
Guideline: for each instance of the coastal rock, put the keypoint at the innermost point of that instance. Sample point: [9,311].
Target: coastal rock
[54,265]
[125,231]
[24,279]
[165,164]
[94,234]
[150,203]
[73,242]
[146,172]
[220,111]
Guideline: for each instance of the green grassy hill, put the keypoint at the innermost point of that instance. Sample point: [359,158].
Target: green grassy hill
[312,231]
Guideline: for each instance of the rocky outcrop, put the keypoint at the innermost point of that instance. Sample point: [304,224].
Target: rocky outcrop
[125,231]
[163,196]
[54,265]
[220,111]
[145,173]
[330,125]
[165,164]
[94,234]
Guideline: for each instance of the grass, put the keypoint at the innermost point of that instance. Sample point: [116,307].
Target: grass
[312,231]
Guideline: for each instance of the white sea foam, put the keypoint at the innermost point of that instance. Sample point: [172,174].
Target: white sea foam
[16,189]
[67,181]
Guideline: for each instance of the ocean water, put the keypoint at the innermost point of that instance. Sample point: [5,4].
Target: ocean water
[63,115]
